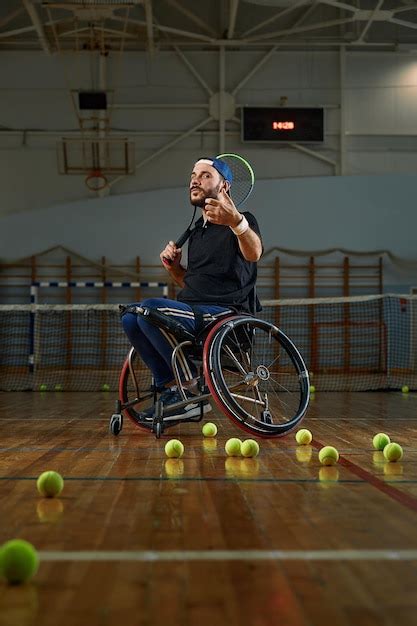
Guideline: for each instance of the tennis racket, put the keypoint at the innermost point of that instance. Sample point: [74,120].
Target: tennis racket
[243,177]
[240,190]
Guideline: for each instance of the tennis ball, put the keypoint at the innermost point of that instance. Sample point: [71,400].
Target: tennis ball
[249,448]
[209,429]
[58,387]
[312,389]
[380,441]
[393,452]
[105,387]
[233,447]
[19,561]
[43,387]
[50,484]
[405,389]
[174,448]
[328,455]
[303,436]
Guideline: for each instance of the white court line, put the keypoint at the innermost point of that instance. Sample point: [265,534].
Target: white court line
[231,555]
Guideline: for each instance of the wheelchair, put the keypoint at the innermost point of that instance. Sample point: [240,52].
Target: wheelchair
[247,367]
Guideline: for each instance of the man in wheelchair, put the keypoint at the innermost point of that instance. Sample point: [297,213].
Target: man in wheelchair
[224,247]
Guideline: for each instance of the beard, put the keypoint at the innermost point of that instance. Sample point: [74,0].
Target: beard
[200,199]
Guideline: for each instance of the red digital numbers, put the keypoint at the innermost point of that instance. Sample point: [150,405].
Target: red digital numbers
[283,125]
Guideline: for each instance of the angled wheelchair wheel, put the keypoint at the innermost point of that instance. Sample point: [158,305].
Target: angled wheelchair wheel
[135,391]
[256,375]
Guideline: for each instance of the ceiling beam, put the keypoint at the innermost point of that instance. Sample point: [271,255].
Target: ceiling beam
[275,17]
[149,26]
[166,29]
[404,23]
[33,14]
[234,4]
[339,5]
[303,29]
[10,16]
[371,19]
[193,17]
[193,70]
[16,31]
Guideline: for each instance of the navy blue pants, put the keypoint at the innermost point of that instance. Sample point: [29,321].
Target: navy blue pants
[155,345]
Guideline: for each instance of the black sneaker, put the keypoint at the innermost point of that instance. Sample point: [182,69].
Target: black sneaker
[173,396]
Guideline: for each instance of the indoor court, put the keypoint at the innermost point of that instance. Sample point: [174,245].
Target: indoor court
[208,538]
[110,110]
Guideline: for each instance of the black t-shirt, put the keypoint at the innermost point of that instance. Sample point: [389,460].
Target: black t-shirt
[217,273]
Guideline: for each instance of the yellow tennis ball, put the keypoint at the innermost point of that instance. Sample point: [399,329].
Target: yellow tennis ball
[393,452]
[43,387]
[233,447]
[58,387]
[312,389]
[174,448]
[19,561]
[303,436]
[405,389]
[249,448]
[209,429]
[328,455]
[50,484]
[380,441]
[105,387]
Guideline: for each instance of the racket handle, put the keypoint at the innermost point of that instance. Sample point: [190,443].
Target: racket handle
[178,244]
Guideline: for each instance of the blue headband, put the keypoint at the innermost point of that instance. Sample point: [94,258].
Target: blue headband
[221,167]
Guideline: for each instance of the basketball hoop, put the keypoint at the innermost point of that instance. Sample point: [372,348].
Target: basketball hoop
[96,180]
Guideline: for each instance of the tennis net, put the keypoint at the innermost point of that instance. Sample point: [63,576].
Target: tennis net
[354,344]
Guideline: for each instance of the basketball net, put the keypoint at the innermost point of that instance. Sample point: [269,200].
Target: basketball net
[96,180]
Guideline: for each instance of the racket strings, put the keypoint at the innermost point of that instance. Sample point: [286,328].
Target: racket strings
[243,177]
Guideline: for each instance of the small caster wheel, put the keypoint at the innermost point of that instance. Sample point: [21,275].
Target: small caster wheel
[116,424]
[158,430]
[266,417]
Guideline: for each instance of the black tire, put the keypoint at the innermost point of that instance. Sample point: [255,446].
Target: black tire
[263,401]
[116,424]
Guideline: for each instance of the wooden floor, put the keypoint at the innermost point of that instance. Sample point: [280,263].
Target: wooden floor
[136,539]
